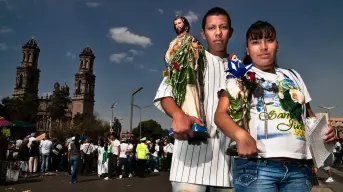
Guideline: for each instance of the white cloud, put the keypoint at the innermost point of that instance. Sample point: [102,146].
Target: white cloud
[179,12]
[93,4]
[129,59]
[135,52]
[125,56]
[4,30]
[121,57]
[123,35]
[3,46]
[160,10]
[190,16]
[71,55]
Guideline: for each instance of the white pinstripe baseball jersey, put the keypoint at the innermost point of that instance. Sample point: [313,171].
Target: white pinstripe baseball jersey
[204,164]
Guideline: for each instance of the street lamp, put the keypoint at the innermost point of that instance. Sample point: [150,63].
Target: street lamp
[328,109]
[112,107]
[136,91]
[140,117]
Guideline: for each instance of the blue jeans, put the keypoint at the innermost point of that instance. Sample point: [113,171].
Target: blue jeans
[75,161]
[123,162]
[155,163]
[45,162]
[271,176]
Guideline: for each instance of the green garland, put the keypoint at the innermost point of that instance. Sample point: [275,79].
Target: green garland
[181,67]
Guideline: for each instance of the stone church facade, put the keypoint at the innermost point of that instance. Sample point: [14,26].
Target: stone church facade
[27,82]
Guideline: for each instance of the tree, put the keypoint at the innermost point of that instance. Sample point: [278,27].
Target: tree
[89,125]
[60,101]
[150,129]
[58,107]
[17,109]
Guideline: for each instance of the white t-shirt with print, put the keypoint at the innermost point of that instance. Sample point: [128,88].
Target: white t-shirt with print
[157,149]
[123,149]
[285,136]
[115,145]
[87,148]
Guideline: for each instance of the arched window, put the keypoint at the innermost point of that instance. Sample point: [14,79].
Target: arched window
[81,64]
[20,83]
[89,88]
[31,57]
[28,57]
[79,86]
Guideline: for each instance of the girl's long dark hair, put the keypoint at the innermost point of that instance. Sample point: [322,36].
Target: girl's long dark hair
[77,141]
[259,30]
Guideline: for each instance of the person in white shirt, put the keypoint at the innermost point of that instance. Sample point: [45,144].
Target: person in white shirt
[125,150]
[32,137]
[114,151]
[130,158]
[273,155]
[155,160]
[198,168]
[46,147]
[168,153]
[87,150]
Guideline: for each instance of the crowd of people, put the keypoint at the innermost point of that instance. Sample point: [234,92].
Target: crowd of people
[109,158]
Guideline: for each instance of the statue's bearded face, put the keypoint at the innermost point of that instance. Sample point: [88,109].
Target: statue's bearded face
[179,26]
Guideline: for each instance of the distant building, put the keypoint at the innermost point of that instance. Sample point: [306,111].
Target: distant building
[337,123]
[27,81]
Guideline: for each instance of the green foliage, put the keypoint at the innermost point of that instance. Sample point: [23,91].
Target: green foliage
[150,129]
[16,109]
[89,125]
[59,104]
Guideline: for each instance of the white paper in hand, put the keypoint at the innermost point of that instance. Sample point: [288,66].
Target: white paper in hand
[315,132]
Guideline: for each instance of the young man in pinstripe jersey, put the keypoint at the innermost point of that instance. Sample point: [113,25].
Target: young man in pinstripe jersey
[203,167]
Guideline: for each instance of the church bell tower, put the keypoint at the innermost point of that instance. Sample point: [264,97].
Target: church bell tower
[84,84]
[27,75]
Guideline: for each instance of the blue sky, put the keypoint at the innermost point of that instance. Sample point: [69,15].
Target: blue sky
[129,39]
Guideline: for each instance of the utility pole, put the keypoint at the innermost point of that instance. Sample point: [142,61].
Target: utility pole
[140,117]
[111,122]
[131,115]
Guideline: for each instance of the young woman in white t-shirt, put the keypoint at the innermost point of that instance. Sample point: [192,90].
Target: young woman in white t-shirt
[273,155]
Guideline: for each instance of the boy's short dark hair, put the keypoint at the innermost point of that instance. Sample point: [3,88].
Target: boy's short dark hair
[215,11]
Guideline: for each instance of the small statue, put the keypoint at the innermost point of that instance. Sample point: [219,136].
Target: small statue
[238,82]
[186,62]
